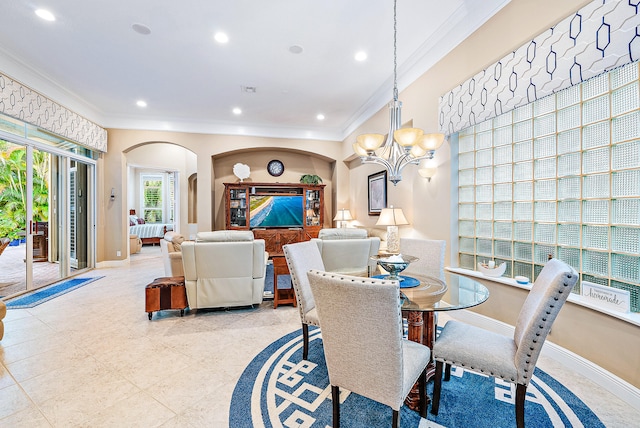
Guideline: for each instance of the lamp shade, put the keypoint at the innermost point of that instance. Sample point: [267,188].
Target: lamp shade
[370,142]
[407,136]
[343,214]
[359,150]
[431,141]
[392,217]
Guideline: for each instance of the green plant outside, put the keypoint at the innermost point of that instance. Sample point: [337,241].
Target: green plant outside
[13,182]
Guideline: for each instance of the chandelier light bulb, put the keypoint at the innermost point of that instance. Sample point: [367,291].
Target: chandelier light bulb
[370,142]
[432,141]
[402,146]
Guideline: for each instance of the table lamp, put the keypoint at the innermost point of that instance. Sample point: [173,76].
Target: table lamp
[392,218]
[342,217]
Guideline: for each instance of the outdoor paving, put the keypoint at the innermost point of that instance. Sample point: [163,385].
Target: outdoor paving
[13,271]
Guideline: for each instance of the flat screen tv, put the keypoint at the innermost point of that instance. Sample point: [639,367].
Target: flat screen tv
[276,210]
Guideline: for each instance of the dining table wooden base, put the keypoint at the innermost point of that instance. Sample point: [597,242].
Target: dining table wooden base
[422,329]
[421,304]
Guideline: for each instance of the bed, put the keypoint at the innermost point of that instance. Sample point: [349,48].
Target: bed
[149,233]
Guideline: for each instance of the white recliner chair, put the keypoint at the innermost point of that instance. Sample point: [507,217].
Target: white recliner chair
[347,251]
[171,250]
[224,268]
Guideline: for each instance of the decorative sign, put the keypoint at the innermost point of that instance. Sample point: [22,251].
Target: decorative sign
[607,297]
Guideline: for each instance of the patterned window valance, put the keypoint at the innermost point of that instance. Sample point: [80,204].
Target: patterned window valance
[599,37]
[25,104]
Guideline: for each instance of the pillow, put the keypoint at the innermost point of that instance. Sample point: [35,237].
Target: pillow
[131,223]
[140,220]
[133,218]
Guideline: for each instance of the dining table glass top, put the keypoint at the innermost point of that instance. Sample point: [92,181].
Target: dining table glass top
[433,294]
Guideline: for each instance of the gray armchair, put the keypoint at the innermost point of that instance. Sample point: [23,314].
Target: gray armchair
[362,339]
[510,358]
[301,258]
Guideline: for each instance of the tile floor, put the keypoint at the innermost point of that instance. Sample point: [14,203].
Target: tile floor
[91,358]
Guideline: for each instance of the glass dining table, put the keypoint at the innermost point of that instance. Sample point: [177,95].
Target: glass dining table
[421,303]
[433,295]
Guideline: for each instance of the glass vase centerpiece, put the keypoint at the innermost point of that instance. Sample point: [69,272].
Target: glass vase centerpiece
[394,264]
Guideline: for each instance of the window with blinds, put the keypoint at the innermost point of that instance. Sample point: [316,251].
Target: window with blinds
[152,198]
[559,177]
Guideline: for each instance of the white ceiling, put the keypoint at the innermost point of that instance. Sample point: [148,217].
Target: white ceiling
[91,60]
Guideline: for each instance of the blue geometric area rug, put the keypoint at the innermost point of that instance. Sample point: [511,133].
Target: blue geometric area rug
[279,389]
[49,292]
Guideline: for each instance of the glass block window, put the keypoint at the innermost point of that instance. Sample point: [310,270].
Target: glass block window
[558,178]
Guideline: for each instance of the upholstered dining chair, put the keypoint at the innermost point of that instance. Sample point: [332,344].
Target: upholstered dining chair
[347,250]
[362,339]
[430,253]
[301,257]
[512,359]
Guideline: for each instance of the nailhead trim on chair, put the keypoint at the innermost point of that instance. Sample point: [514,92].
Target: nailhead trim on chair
[542,326]
[453,363]
[529,354]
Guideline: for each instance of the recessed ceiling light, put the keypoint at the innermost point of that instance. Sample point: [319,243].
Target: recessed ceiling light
[141,103]
[237,110]
[320,116]
[296,49]
[141,29]
[221,37]
[361,56]
[45,14]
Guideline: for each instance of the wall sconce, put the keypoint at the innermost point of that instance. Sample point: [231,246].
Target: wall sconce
[113,193]
[428,169]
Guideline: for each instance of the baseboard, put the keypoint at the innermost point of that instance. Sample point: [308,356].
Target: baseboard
[112,263]
[612,383]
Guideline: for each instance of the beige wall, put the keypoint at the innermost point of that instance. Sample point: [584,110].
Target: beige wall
[427,205]
[160,157]
[606,341]
[215,156]
[295,165]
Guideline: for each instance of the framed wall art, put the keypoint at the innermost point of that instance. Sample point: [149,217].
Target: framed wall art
[377,192]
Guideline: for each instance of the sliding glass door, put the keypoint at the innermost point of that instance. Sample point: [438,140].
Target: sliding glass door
[13,218]
[46,212]
[45,190]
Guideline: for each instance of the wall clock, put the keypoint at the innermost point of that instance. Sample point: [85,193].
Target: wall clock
[275,168]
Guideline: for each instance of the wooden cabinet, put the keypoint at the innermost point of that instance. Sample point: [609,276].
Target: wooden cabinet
[279,213]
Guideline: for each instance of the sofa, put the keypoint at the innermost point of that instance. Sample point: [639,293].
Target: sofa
[347,251]
[224,268]
[171,250]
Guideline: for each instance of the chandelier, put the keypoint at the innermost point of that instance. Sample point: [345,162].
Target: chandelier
[403,146]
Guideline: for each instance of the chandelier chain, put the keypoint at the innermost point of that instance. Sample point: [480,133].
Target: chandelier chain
[395,54]
[400,147]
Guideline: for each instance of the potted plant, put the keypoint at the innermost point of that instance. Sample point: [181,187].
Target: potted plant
[310,179]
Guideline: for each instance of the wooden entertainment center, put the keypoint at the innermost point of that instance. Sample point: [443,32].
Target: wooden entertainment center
[301,223]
